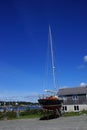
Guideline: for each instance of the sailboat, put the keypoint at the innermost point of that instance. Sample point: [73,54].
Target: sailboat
[52,102]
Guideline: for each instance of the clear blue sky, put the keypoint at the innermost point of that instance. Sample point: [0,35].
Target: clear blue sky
[24,42]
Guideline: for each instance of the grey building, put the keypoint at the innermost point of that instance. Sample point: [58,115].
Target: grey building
[74,99]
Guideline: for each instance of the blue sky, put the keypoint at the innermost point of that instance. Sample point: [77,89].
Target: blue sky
[24,45]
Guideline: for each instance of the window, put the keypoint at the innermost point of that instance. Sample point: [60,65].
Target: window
[86,95]
[64,108]
[76,108]
[75,97]
[64,98]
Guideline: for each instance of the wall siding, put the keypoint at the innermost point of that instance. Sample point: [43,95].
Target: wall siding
[82,99]
[70,108]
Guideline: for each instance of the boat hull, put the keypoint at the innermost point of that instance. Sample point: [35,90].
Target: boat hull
[50,104]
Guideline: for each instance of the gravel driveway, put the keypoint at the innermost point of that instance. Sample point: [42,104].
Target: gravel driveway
[62,123]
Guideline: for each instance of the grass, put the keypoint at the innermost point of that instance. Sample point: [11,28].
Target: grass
[67,114]
[74,113]
[29,116]
[35,114]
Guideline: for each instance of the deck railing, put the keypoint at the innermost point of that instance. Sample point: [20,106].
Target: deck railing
[70,102]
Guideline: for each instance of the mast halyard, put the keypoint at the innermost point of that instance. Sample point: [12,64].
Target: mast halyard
[53,67]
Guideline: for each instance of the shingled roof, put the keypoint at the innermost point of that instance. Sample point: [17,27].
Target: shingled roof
[72,91]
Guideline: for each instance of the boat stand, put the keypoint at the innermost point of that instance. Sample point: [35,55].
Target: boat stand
[50,114]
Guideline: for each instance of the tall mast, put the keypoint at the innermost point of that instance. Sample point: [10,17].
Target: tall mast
[53,67]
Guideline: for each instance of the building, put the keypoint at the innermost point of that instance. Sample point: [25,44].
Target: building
[74,99]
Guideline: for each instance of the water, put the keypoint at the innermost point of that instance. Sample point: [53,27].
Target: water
[20,108]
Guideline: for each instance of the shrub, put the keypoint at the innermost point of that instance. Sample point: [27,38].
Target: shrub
[11,115]
[31,112]
[26,112]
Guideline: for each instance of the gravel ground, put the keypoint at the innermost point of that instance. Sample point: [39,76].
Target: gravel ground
[62,123]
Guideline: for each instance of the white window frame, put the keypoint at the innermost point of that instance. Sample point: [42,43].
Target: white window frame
[77,107]
[65,98]
[75,97]
[64,108]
